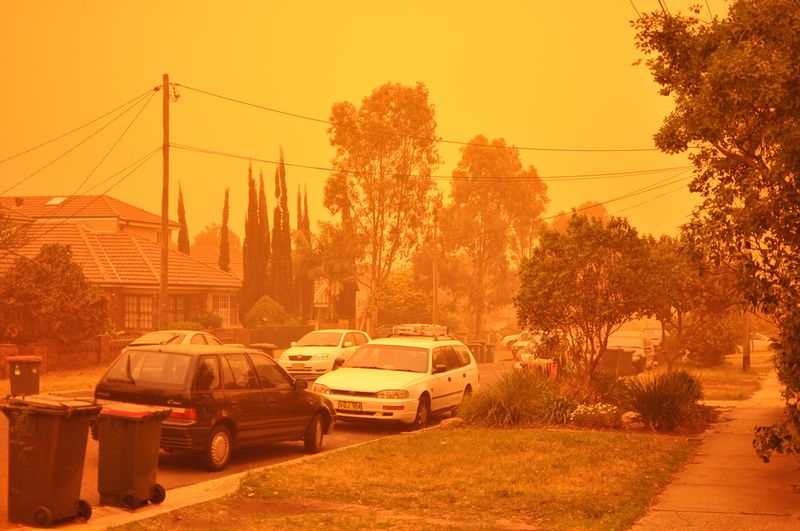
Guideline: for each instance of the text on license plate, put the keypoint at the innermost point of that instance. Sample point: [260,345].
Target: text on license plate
[298,366]
[349,406]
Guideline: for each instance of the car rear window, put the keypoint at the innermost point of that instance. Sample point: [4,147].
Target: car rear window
[151,368]
[158,338]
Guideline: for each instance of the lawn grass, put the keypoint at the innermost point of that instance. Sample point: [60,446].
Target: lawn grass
[729,382]
[455,478]
[56,381]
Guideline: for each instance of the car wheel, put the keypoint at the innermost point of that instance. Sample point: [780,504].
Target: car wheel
[338,363]
[467,394]
[312,440]
[219,448]
[423,414]
[130,500]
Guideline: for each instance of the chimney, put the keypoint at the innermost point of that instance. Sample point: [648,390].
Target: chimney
[18,201]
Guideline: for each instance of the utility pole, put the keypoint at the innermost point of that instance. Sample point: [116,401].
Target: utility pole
[163,301]
[435,302]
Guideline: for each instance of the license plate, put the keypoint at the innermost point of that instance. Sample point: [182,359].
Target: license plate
[350,406]
[298,366]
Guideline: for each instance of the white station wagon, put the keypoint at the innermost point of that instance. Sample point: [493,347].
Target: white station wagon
[417,372]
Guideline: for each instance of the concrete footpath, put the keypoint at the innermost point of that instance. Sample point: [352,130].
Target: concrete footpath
[725,485]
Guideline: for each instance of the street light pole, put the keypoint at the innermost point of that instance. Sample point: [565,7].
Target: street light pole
[163,303]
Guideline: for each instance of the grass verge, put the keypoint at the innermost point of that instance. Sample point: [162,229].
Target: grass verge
[729,382]
[454,478]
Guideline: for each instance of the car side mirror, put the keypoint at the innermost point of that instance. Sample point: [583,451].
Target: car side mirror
[439,369]
[300,384]
[348,343]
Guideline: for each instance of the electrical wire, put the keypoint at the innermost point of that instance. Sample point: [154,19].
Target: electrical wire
[59,137]
[438,140]
[74,147]
[576,177]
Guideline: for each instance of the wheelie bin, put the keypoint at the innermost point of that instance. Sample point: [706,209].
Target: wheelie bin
[23,371]
[129,437]
[46,450]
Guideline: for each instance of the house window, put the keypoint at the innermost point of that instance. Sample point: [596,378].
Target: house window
[177,309]
[139,312]
[227,307]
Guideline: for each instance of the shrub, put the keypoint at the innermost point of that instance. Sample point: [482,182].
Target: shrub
[602,387]
[665,400]
[265,311]
[708,345]
[517,398]
[600,415]
[209,321]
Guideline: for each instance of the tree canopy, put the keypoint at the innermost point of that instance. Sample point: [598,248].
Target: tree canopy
[48,297]
[583,284]
[385,151]
[735,84]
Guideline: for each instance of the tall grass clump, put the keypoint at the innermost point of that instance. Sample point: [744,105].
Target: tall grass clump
[665,401]
[518,398]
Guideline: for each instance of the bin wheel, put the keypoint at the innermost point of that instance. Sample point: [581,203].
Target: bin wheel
[157,494]
[130,500]
[84,509]
[42,517]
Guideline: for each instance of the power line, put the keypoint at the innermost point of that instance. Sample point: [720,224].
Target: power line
[74,147]
[638,15]
[59,137]
[586,176]
[438,140]
[659,196]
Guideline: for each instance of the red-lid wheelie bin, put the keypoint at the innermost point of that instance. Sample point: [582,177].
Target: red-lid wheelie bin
[46,450]
[129,436]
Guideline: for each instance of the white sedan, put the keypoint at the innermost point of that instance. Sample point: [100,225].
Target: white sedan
[321,351]
[401,378]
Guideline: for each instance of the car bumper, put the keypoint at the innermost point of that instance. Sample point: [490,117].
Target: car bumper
[374,409]
[307,369]
[184,438]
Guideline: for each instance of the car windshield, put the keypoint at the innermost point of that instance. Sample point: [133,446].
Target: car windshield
[625,341]
[151,368]
[320,339]
[158,338]
[390,358]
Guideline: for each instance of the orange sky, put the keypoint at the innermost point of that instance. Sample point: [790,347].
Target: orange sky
[539,74]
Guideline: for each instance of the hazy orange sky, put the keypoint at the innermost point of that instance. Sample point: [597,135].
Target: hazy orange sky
[556,75]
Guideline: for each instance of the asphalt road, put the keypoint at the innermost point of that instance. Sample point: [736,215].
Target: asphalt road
[178,470]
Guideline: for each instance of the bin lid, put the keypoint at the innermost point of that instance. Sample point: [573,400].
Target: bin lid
[134,411]
[24,358]
[51,404]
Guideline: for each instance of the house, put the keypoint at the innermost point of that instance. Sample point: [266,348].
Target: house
[118,246]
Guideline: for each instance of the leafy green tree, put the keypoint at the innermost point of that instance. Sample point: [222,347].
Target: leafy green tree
[304,258]
[477,225]
[211,236]
[385,151]
[583,284]
[282,279]
[183,232]
[734,83]
[48,297]
[403,300]
[336,252]
[266,311]
[593,209]
[253,275]
[224,238]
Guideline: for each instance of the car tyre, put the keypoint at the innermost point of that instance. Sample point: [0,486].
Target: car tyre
[312,440]
[423,414]
[219,448]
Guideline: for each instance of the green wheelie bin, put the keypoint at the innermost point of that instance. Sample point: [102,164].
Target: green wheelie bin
[129,436]
[46,450]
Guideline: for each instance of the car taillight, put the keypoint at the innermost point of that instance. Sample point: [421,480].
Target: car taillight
[183,413]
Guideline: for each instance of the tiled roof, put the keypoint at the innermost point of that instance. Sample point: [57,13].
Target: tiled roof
[209,254]
[13,215]
[120,258]
[79,206]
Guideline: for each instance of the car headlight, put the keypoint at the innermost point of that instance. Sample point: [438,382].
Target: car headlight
[321,389]
[320,356]
[392,393]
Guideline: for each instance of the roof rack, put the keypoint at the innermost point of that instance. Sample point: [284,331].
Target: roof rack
[424,330]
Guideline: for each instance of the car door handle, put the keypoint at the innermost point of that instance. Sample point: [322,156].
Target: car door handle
[449,379]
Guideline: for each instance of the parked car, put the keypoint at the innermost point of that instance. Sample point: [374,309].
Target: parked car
[759,343]
[643,352]
[509,340]
[221,397]
[176,337]
[321,351]
[404,378]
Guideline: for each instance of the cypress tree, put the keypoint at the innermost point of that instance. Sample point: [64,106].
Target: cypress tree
[224,242]
[282,279]
[263,232]
[251,281]
[183,232]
